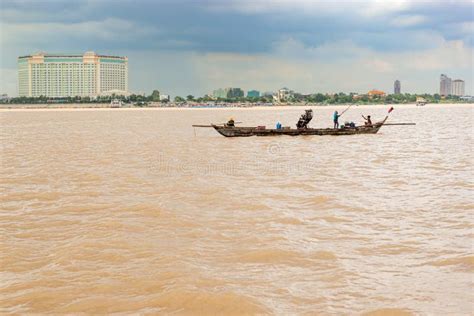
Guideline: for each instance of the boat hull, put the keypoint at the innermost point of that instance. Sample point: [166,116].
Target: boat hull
[254,131]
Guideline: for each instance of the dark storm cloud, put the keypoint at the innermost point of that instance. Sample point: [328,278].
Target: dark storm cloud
[193,25]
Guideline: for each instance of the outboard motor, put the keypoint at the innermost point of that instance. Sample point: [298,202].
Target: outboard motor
[305,119]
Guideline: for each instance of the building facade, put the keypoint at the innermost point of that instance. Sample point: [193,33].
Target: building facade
[219,94]
[376,93]
[228,93]
[397,87]
[253,94]
[283,95]
[164,97]
[72,75]
[457,87]
[445,85]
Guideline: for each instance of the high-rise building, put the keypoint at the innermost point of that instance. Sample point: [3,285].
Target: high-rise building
[457,87]
[219,93]
[397,87]
[228,93]
[253,94]
[235,92]
[72,75]
[445,85]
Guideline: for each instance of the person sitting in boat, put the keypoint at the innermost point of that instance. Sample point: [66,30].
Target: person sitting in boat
[335,118]
[305,119]
[230,122]
[368,121]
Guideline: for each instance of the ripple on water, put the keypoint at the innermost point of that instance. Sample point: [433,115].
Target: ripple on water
[286,257]
[389,312]
[289,221]
[461,263]
[315,201]
[207,303]
[388,249]
[271,256]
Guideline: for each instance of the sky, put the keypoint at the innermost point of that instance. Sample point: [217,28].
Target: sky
[182,47]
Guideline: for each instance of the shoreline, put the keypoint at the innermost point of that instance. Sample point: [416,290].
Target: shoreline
[240,108]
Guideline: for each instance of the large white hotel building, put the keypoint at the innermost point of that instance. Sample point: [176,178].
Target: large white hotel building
[72,75]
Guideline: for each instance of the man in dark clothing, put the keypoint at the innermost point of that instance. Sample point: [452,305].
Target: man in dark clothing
[368,121]
[231,122]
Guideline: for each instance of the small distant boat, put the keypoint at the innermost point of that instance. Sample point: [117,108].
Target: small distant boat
[420,101]
[115,103]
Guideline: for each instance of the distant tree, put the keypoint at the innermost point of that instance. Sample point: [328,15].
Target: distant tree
[190,97]
[155,96]
[178,99]
[319,97]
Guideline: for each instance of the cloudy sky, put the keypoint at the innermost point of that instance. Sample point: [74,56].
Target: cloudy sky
[185,47]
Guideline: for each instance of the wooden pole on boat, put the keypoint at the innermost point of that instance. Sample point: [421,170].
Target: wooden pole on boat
[203,126]
[392,124]
[212,125]
[346,109]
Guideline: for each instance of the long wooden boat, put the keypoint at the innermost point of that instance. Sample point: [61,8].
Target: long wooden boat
[234,131]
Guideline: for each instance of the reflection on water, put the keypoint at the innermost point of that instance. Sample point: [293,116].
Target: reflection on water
[134,211]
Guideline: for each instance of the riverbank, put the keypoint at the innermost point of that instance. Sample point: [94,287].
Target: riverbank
[68,106]
[230,110]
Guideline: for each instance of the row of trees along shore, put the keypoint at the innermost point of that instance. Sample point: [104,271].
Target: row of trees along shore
[317,98]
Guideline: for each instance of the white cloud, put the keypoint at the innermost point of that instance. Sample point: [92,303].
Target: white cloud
[335,50]
[449,55]
[368,8]
[382,7]
[467,27]
[380,65]
[408,20]
[8,81]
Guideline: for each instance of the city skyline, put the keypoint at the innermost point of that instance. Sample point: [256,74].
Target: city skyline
[195,47]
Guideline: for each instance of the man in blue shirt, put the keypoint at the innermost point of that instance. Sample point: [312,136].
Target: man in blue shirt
[336,119]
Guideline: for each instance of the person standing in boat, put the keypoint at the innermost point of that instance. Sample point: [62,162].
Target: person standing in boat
[368,121]
[335,118]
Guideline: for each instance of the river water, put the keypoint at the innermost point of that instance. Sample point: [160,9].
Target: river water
[124,210]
